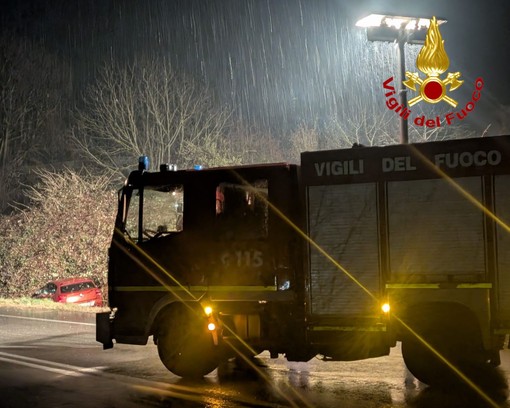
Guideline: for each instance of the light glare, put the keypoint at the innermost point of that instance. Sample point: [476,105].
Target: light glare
[373,20]
[386,307]
[409,23]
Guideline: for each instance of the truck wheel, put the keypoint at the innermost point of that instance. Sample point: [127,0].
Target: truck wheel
[459,342]
[185,346]
[422,363]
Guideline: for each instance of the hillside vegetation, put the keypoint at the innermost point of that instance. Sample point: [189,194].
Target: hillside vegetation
[63,232]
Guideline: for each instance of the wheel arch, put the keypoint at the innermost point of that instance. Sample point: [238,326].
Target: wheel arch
[445,314]
[443,335]
[162,306]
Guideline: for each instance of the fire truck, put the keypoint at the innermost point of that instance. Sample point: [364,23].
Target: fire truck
[341,256]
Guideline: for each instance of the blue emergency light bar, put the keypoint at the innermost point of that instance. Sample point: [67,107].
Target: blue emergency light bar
[143,163]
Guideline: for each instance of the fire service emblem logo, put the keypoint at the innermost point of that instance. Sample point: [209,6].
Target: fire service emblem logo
[432,61]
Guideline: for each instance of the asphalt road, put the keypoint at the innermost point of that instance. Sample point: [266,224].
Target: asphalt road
[50,359]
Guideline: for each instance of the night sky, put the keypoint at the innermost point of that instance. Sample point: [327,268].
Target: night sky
[277,63]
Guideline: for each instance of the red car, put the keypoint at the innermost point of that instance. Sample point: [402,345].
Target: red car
[80,291]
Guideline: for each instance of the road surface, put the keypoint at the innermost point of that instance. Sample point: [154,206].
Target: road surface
[51,359]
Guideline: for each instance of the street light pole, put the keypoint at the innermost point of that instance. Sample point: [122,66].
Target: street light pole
[404,127]
[400,30]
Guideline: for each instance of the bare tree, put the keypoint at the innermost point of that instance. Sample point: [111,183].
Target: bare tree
[147,109]
[368,127]
[357,105]
[304,138]
[365,127]
[33,84]
[383,128]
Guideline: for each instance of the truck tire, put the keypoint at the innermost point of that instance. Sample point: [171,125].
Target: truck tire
[457,339]
[422,363]
[185,346]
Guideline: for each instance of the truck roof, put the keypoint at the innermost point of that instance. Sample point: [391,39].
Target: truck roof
[233,172]
[453,158]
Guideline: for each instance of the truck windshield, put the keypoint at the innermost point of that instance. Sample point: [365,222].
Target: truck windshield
[162,212]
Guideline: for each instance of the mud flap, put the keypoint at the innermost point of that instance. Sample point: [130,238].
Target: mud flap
[104,330]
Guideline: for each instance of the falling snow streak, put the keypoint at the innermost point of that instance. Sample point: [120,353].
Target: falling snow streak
[277,63]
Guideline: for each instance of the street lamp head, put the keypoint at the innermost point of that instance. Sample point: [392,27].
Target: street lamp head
[390,28]
[402,30]
[407,22]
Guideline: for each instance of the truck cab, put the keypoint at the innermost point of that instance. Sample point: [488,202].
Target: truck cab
[209,245]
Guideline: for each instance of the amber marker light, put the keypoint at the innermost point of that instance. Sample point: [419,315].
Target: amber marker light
[386,308]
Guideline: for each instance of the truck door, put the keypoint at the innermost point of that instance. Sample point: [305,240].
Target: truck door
[502,209]
[343,224]
[344,272]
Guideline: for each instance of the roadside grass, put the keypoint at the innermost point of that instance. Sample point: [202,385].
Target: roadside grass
[47,304]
